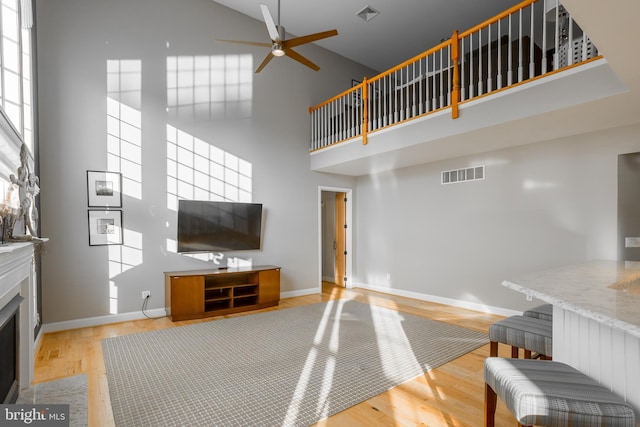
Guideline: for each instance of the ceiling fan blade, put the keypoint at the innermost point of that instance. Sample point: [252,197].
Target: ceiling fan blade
[245,42]
[271,26]
[297,41]
[264,62]
[301,59]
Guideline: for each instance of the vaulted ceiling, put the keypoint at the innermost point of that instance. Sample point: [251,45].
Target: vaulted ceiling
[403,28]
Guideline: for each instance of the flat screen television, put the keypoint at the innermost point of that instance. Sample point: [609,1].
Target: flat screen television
[206,226]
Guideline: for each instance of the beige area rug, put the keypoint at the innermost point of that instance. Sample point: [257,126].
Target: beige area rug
[290,367]
[70,391]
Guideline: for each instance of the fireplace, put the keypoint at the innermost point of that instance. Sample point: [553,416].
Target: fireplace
[9,351]
[17,319]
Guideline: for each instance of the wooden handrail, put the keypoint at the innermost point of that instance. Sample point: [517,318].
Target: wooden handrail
[419,56]
[338,96]
[394,87]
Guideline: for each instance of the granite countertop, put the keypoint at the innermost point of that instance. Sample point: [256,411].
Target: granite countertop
[605,291]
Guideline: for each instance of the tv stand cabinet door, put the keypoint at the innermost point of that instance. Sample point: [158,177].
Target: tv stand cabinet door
[187,296]
[269,291]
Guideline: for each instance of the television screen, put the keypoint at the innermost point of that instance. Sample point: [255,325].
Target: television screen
[205,226]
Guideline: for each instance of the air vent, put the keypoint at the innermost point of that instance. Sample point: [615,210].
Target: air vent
[474,173]
[368,13]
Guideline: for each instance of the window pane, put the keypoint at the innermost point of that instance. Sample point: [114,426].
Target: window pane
[9,23]
[13,112]
[10,55]
[11,87]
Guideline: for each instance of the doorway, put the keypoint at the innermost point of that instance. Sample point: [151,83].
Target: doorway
[628,207]
[335,225]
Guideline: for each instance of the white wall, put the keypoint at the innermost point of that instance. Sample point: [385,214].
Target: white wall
[540,206]
[75,40]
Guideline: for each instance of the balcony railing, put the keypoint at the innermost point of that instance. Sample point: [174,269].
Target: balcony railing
[528,41]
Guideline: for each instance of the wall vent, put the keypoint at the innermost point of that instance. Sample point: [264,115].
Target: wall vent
[474,173]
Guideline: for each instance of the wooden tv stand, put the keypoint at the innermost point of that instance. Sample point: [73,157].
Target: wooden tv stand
[204,293]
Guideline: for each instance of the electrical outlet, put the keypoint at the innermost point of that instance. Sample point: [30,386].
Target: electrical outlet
[146,294]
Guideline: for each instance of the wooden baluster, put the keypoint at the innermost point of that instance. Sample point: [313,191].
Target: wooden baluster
[463,91]
[480,74]
[520,57]
[532,63]
[489,61]
[510,57]
[499,77]
[471,74]
[422,77]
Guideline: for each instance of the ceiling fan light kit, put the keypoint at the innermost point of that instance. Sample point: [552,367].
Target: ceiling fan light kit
[279,45]
[277,50]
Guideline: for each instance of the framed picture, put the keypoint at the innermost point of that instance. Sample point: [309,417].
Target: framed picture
[105,227]
[104,189]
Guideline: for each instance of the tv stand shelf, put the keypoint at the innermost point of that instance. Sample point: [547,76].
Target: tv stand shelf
[204,293]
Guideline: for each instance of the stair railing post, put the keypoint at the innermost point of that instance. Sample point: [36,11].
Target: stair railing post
[455,57]
[365,110]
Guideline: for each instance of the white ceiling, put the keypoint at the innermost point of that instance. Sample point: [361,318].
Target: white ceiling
[403,29]
[406,28]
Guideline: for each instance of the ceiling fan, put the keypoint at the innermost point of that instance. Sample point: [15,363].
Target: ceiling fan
[279,45]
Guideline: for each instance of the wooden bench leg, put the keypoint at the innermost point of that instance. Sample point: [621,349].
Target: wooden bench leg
[514,352]
[493,349]
[490,402]
[527,354]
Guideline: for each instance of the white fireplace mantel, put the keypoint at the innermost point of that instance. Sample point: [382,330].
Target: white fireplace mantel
[17,278]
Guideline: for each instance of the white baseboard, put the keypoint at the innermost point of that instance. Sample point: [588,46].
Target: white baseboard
[137,315]
[301,293]
[160,312]
[441,300]
[101,320]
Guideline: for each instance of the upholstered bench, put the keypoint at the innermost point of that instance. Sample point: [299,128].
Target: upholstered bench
[528,333]
[546,393]
[544,312]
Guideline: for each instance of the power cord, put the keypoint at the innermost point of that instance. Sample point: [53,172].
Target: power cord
[144,307]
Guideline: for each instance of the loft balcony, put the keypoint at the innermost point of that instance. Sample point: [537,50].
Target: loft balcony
[499,84]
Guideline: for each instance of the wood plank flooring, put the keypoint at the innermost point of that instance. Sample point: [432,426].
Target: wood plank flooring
[451,395]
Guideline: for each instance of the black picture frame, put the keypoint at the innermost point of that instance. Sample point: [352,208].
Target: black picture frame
[105,227]
[104,189]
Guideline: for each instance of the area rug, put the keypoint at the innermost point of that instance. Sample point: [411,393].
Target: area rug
[290,367]
[71,391]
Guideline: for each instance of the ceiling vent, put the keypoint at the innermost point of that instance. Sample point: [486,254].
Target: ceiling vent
[368,13]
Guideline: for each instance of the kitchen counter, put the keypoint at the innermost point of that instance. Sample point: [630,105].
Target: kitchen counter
[596,320]
[605,291]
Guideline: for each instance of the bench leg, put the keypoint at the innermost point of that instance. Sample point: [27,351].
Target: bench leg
[514,352]
[527,354]
[493,349]
[490,402]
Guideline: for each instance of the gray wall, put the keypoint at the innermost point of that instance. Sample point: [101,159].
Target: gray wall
[540,206]
[75,40]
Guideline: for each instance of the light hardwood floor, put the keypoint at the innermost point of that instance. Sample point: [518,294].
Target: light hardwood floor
[451,395]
